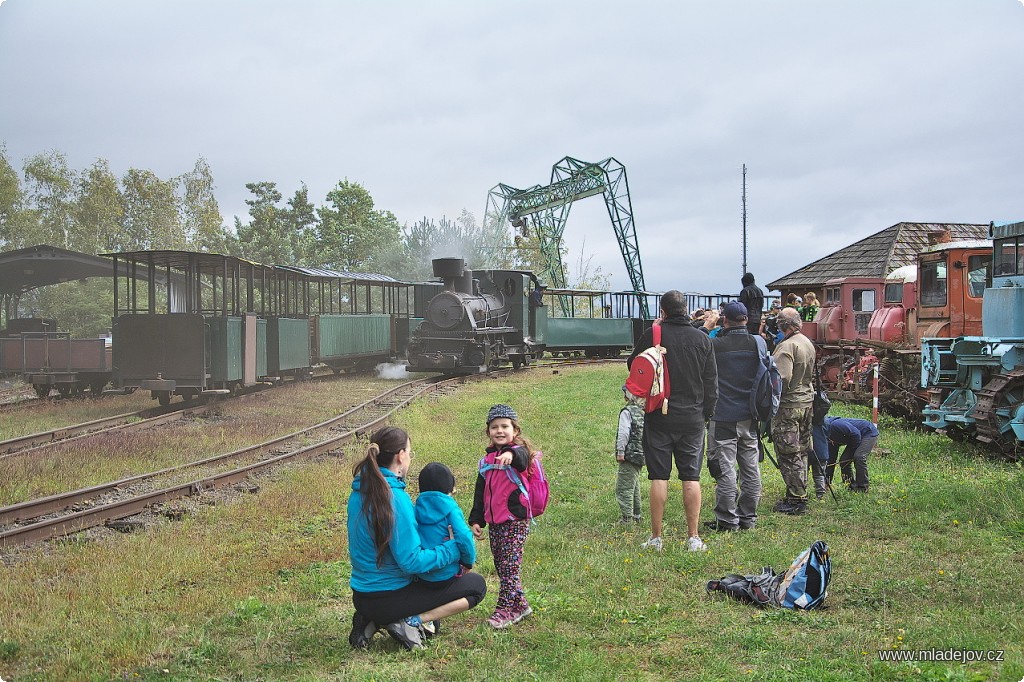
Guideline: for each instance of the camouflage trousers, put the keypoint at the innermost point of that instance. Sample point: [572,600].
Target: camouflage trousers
[791,434]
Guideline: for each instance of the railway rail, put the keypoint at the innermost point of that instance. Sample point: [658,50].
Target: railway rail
[78,510]
[71,512]
[140,419]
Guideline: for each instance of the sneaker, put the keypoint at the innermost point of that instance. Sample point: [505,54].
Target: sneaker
[408,636]
[747,525]
[820,494]
[652,543]
[522,614]
[432,628]
[501,619]
[695,544]
[718,526]
[362,631]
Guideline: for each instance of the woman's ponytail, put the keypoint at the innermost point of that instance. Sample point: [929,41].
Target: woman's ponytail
[376,493]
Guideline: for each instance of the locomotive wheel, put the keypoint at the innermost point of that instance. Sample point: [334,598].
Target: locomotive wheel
[997,405]
[517,363]
[164,398]
[96,388]
[64,390]
[42,390]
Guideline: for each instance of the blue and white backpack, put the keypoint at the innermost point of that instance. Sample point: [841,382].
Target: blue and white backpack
[805,583]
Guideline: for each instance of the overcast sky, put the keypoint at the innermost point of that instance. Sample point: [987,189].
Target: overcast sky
[850,116]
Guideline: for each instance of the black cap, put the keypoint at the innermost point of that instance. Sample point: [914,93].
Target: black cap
[437,477]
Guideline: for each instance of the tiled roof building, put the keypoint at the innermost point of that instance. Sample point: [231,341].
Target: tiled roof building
[876,255]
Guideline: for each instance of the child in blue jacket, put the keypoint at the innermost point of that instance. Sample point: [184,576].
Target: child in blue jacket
[439,519]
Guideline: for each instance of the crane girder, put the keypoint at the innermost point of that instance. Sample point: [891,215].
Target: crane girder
[547,210]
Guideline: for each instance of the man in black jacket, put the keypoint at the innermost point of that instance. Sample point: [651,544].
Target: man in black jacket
[732,433]
[753,299]
[679,434]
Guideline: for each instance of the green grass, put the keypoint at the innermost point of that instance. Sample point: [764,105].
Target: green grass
[930,558]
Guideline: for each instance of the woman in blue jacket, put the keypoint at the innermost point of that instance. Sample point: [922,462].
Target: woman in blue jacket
[386,553]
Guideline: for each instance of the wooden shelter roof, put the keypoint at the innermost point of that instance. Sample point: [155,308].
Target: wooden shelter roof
[876,255]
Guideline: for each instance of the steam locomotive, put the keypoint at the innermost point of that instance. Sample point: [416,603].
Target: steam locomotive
[480,320]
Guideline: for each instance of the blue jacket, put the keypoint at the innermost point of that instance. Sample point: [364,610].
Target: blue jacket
[436,514]
[406,556]
[737,354]
[839,431]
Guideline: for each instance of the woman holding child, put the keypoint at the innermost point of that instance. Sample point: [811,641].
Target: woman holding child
[386,553]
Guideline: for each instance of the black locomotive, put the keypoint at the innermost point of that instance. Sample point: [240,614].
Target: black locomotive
[480,320]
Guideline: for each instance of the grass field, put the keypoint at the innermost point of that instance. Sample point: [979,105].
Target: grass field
[257,590]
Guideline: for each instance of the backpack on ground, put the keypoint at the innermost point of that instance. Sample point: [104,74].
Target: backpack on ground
[531,488]
[805,583]
[759,589]
[648,375]
[766,392]
[803,586]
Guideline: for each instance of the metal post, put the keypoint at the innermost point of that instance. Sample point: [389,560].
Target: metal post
[874,396]
[744,220]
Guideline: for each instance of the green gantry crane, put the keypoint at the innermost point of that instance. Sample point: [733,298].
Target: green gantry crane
[546,209]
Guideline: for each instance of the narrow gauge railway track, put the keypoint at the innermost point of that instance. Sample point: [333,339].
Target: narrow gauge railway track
[49,517]
[67,513]
[149,417]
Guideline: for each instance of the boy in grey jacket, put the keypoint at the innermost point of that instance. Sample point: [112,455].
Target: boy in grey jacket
[629,452]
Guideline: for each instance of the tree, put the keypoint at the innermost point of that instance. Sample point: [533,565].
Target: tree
[51,193]
[201,220]
[351,233]
[263,239]
[151,212]
[15,219]
[98,211]
[300,223]
[459,238]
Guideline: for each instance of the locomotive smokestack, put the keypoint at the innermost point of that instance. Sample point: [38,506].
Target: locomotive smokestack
[451,270]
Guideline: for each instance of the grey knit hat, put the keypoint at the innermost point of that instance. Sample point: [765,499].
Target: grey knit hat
[501,412]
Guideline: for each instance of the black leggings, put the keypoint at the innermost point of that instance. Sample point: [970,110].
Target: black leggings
[418,597]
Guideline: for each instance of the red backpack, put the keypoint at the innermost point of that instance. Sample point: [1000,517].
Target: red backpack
[648,375]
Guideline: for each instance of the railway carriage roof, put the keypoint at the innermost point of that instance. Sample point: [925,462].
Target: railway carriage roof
[876,255]
[361,277]
[206,262]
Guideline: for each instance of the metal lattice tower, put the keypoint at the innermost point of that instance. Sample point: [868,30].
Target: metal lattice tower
[547,210]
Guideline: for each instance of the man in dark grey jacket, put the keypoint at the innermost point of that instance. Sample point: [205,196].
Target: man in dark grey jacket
[732,433]
[693,379]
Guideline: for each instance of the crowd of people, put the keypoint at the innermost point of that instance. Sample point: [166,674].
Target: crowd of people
[712,377]
[412,562]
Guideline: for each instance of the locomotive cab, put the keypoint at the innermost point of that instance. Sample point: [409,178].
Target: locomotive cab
[896,321]
[951,285]
[846,312]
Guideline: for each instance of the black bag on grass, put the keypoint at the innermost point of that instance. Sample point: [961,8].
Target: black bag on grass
[759,589]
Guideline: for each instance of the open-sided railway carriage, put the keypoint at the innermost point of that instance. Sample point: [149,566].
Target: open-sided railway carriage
[224,322]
